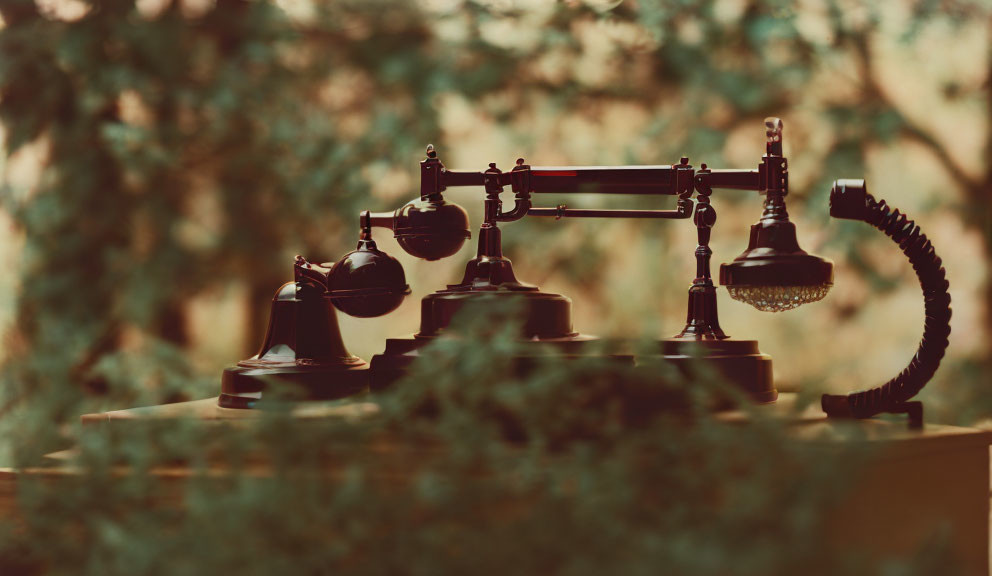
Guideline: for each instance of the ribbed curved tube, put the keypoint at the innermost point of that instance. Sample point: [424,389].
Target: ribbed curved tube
[894,394]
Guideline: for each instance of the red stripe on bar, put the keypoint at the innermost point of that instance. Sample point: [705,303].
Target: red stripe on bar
[553,172]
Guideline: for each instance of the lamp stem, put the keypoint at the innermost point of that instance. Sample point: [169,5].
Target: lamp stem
[774,208]
[490,241]
[702,322]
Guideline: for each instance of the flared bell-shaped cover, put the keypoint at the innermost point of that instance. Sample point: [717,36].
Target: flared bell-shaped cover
[302,357]
[774,274]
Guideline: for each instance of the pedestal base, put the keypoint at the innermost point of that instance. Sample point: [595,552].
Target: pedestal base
[545,325]
[400,353]
[543,316]
[738,363]
[242,386]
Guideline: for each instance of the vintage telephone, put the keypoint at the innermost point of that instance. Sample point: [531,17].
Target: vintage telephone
[303,344]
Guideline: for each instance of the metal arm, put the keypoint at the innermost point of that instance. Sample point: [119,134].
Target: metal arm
[653,180]
[661,180]
[491,269]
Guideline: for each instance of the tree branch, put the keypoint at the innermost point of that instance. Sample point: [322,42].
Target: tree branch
[973,188]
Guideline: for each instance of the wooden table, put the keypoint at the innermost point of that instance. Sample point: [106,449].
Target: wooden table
[917,481]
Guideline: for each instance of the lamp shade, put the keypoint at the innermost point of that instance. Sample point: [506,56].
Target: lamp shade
[774,274]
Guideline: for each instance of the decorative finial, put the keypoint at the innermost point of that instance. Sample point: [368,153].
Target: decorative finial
[365,240]
[773,133]
[431,153]
[520,161]
[773,129]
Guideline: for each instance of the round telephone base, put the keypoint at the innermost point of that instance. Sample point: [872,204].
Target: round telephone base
[544,316]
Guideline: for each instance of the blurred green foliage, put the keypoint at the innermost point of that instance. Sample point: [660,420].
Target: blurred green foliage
[191,145]
[546,474]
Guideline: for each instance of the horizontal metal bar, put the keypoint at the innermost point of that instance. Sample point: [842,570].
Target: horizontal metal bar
[562,212]
[645,180]
[731,179]
[658,180]
[457,178]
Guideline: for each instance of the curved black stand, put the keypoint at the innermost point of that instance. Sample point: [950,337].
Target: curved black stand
[849,199]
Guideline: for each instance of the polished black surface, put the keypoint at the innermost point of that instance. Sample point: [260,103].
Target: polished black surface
[773,258]
[773,274]
[302,356]
[367,282]
[431,229]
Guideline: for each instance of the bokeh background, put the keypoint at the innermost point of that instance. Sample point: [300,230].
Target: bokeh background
[165,160]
